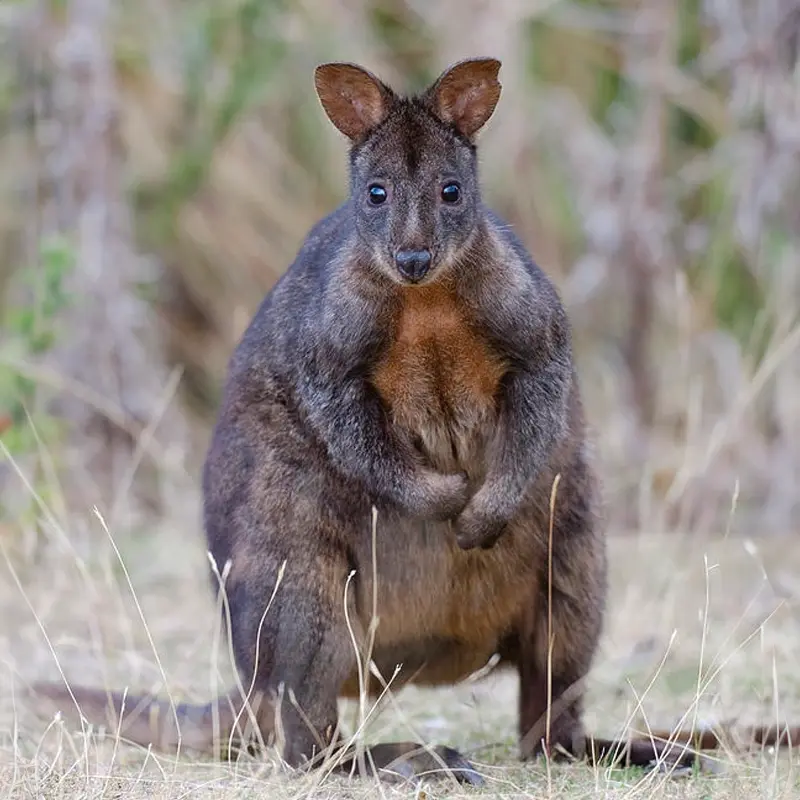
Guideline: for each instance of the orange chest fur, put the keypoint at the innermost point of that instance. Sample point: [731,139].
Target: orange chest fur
[439,378]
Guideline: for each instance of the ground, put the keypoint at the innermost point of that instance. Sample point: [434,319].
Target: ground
[702,629]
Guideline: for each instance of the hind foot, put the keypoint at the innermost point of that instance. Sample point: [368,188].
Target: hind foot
[408,761]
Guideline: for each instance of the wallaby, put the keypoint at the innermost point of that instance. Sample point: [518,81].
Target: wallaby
[413,360]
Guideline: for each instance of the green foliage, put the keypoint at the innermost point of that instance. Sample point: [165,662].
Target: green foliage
[596,73]
[241,41]
[29,331]
[687,128]
[407,41]
[35,324]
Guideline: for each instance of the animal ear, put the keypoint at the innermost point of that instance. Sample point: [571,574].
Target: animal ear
[354,99]
[466,94]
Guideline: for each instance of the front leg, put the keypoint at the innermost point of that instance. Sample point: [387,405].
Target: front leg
[524,321]
[533,420]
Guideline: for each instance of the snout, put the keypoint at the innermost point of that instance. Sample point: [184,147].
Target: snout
[413,265]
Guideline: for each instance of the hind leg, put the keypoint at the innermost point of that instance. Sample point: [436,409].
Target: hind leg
[295,650]
[578,593]
[559,635]
[299,654]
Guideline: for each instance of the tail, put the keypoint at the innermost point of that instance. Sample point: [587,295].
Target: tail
[210,728]
[684,746]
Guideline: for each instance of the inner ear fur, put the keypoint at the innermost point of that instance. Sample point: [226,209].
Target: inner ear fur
[354,99]
[466,94]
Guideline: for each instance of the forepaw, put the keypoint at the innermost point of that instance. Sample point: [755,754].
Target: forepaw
[476,528]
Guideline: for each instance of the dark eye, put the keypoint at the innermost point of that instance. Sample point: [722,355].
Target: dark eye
[377,194]
[451,193]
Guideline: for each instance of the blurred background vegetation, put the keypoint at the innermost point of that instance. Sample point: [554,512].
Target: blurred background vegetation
[160,163]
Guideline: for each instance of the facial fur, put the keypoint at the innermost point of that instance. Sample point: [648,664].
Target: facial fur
[417,162]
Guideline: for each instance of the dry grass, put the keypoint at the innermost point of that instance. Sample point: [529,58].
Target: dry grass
[699,629]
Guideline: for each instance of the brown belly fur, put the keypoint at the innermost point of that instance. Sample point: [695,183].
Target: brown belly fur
[439,379]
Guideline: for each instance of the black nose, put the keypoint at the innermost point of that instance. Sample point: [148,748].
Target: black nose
[413,264]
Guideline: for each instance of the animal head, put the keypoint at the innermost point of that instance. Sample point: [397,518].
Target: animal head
[413,166]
